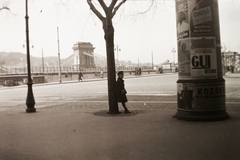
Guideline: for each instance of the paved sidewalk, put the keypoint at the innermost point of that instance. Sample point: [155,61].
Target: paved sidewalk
[62,131]
[71,131]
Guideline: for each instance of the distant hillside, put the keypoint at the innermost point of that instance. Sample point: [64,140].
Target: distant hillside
[17,59]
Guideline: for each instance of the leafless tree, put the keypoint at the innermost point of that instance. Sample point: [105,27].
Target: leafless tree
[109,10]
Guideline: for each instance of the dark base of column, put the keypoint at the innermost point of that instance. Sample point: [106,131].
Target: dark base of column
[201,116]
[30,110]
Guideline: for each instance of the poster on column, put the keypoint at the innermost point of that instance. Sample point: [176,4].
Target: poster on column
[196,39]
[184,68]
[201,18]
[182,19]
[203,58]
[201,96]
[183,27]
[203,41]
[209,96]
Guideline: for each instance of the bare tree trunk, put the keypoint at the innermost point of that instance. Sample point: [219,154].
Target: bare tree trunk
[110,11]
[111,72]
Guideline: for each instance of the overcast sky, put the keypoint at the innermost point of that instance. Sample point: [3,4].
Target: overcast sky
[138,36]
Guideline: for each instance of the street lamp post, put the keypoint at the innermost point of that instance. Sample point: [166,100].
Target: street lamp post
[152,62]
[138,62]
[117,49]
[173,50]
[42,61]
[59,60]
[78,61]
[30,102]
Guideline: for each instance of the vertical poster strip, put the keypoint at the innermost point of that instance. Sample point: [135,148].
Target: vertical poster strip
[198,37]
[201,18]
[182,19]
[218,39]
[203,42]
[183,29]
[184,68]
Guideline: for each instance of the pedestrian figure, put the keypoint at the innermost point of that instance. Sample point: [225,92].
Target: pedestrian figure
[136,71]
[176,69]
[140,71]
[121,91]
[101,73]
[80,75]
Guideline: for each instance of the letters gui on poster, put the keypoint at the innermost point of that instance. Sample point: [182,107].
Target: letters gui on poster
[196,39]
[203,58]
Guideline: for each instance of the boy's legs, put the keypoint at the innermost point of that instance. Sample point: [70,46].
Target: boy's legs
[124,106]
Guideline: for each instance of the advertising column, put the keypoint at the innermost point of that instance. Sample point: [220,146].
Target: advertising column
[200,87]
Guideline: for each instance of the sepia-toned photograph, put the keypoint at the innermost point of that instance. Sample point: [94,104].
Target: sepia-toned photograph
[119,79]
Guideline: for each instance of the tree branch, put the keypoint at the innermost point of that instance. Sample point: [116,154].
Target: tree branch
[118,6]
[113,3]
[4,8]
[103,5]
[93,8]
[149,7]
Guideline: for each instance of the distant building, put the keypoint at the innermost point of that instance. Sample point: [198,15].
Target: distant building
[169,67]
[231,61]
[83,53]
